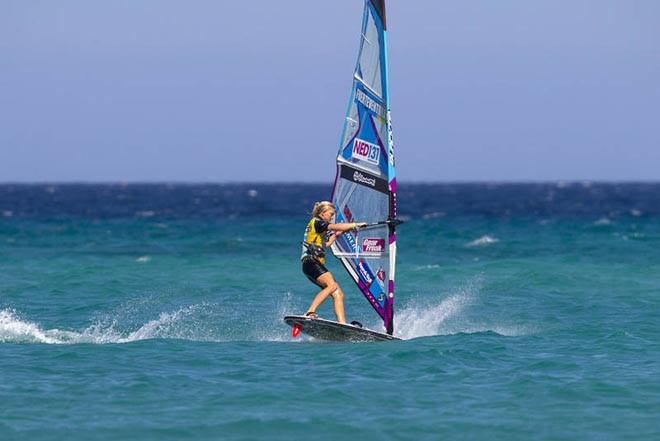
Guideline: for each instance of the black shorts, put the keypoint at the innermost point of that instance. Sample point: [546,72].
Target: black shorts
[313,269]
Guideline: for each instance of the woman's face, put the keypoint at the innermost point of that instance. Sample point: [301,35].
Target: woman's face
[328,214]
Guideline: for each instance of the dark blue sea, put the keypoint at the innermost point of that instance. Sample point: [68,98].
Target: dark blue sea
[154,312]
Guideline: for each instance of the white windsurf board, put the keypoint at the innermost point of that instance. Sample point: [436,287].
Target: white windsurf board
[334,331]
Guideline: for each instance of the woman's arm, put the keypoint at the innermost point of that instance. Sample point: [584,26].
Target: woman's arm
[331,239]
[346,226]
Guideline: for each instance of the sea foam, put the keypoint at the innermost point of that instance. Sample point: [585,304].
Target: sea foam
[482,241]
[15,330]
[460,312]
[172,325]
[426,320]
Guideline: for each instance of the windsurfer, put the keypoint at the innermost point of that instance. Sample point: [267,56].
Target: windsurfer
[319,234]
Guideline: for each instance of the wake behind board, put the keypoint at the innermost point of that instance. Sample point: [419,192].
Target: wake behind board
[334,331]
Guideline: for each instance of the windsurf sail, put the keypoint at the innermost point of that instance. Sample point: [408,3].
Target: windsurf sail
[365,185]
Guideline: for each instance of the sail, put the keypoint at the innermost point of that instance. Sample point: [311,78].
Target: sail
[365,185]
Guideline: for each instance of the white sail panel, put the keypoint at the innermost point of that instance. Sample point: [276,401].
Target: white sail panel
[369,64]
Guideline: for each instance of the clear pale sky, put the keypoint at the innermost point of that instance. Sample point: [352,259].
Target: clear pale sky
[219,91]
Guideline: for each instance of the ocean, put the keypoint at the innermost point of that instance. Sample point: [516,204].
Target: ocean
[154,312]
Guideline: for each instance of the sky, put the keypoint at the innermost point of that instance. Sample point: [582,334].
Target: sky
[256,91]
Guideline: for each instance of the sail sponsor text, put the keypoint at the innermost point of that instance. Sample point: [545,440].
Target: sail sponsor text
[366,151]
[370,103]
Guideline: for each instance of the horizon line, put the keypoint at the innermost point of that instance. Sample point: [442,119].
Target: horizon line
[293,182]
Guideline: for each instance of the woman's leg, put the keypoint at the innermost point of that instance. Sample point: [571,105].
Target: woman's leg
[338,297]
[330,287]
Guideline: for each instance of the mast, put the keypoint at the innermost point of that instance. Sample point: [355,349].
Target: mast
[365,185]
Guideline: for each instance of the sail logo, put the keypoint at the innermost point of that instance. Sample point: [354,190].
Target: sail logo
[366,275]
[369,103]
[350,240]
[364,178]
[390,136]
[366,151]
[373,245]
[359,177]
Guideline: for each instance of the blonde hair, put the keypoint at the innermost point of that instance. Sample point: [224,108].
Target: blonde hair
[320,207]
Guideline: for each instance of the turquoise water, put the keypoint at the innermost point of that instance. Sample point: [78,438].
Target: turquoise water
[155,312]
